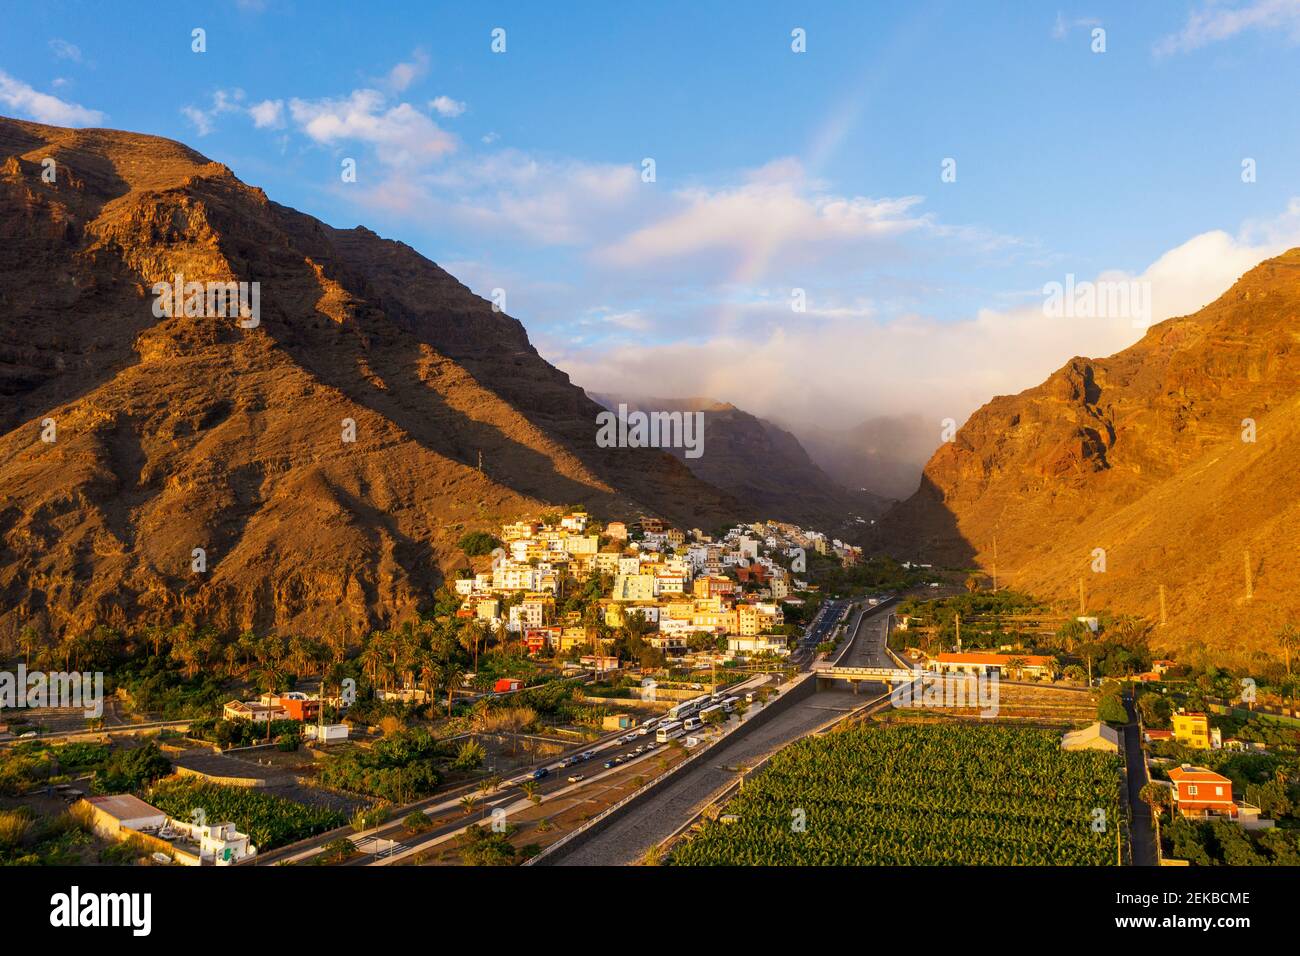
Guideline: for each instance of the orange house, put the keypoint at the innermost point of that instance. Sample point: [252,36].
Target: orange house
[1202,793]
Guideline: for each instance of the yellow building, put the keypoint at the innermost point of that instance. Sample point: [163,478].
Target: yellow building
[634,587]
[1193,730]
[579,637]
[575,544]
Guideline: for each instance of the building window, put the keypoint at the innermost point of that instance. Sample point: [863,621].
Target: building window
[1218,791]
[1191,789]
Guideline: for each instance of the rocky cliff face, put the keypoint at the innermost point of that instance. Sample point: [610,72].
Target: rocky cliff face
[1178,457]
[180,432]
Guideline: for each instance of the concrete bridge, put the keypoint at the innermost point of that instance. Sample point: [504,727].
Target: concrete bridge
[827,673]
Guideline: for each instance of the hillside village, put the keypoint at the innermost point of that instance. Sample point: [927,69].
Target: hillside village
[680,591]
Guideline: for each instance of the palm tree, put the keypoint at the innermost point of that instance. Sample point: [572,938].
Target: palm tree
[451,677]
[231,654]
[472,633]
[529,787]
[1289,638]
[467,803]
[1017,666]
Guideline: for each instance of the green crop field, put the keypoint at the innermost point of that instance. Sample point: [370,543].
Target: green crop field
[924,794]
[269,820]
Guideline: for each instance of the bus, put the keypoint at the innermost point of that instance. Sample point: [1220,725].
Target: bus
[669,731]
[730,704]
[692,723]
[686,708]
[715,709]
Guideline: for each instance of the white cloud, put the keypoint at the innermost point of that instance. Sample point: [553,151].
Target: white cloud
[223,101]
[403,75]
[841,362]
[1215,22]
[1062,26]
[24,101]
[512,195]
[401,135]
[63,50]
[268,114]
[446,106]
[775,218]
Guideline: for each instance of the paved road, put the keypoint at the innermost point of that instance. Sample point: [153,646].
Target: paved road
[508,796]
[1143,834]
[663,812]
[831,613]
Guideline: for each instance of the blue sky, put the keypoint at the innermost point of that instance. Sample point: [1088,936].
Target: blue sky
[774,170]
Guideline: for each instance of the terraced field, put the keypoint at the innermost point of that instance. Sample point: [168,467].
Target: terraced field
[929,794]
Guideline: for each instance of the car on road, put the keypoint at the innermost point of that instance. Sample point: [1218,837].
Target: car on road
[27,736]
[540,772]
[613,762]
[566,762]
[576,777]
[588,754]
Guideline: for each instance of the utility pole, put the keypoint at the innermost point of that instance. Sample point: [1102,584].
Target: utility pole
[1250,584]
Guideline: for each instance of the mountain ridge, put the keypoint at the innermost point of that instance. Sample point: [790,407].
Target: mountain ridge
[1149,456]
[177,433]
[766,466]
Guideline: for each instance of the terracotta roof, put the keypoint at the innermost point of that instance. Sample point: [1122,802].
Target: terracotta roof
[1031,660]
[1196,775]
[124,806]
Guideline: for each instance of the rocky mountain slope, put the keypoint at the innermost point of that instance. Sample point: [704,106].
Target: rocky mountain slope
[177,433]
[765,467]
[1177,457]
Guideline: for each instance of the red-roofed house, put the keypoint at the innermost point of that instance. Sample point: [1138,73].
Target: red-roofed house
[1201,793]
[1032,665]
